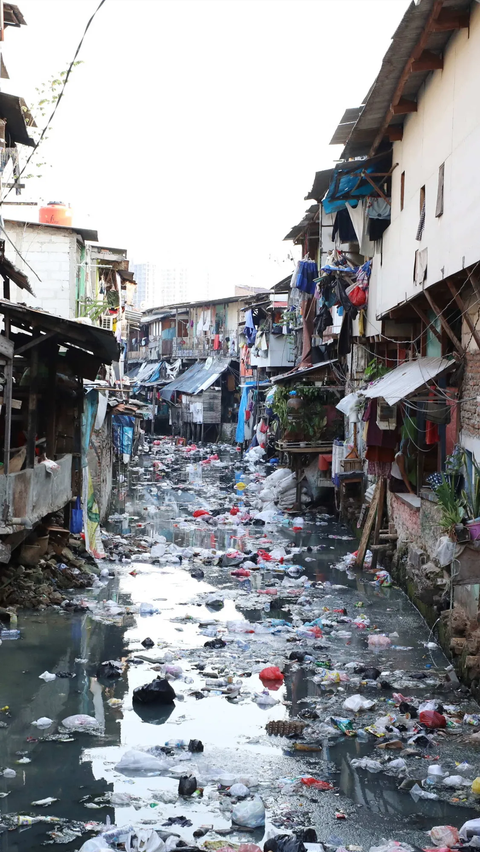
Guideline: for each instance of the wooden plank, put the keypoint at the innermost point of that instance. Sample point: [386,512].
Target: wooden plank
[8,404]
[428,61]
[445,325]
[427,322]
[404,106]
[362,549]
[32,405]
[378,520]
[450,19]
[6,347]
[466,315]
[395,132]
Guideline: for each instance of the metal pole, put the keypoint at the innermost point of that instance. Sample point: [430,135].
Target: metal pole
[153,407]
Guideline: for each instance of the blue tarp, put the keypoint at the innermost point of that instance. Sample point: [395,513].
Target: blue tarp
[349,184]
[240,433]
[122,433]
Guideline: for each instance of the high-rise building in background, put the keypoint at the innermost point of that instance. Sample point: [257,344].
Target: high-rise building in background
[173,286]
[146,276]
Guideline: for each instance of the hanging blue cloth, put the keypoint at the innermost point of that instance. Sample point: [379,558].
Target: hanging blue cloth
[240,433]
[307,272]
[249,331]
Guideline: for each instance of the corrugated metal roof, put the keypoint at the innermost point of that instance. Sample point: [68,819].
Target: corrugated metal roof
[320,185]
[304,371]
[85,233]
[407,378]
[302,226]
[197,378]
[404,41]
[67,332]
[345,127]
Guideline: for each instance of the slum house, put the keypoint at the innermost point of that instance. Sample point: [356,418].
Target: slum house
[45,359]
[417,427]
[266,348]
[202,400]
[175,337]
[58,253]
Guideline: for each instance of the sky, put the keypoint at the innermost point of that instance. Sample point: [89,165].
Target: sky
[192,131]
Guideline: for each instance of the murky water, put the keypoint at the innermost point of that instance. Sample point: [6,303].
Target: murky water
[81,771]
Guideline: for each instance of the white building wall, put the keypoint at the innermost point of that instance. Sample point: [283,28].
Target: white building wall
[445,129]
[52,253]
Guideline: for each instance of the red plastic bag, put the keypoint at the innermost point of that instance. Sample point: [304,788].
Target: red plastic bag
[240,572]
[432,719]
[234,510]
[199,513]
[358,297]
[264,555]
[271,673]
[316,784]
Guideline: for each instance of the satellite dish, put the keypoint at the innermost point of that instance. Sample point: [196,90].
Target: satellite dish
[208,362]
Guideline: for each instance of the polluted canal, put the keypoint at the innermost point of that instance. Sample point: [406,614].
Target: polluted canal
[291,694]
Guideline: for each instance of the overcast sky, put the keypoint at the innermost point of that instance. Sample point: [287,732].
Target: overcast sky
[193,130]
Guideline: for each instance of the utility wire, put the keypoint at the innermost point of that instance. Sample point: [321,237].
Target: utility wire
[57,103]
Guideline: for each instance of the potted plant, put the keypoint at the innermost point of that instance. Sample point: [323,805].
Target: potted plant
[453,511]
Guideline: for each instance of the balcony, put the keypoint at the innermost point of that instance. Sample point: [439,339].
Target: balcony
[34,493]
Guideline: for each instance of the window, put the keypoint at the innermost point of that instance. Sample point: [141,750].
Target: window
[441,182]
[402,190]
[421,222]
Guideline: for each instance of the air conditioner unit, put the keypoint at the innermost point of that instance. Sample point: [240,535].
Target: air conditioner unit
[106,322]
[386,415]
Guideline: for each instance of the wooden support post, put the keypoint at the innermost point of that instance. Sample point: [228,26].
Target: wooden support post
[445,325]
[6,287]
[378,519]
[395,132]
[450,19]
[374,507]
[153,408]
[466,315]
[7,403]
[427,322]
[51,433]
[32,404]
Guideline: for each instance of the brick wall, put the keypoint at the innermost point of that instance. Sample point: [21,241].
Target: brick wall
[405,518]
[470,410]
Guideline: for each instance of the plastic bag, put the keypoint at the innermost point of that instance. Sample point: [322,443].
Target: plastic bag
[43,722]
[445,551]
[187,785]
[95,844]
[432,719]
[284,843]
[135,762]
[110,669]
[76,518]
[239,791]
[469,829]
[144,840]
[159,691]
[376,641]
[365,763]
[249,813]
[358,296]
[271,673]
[47,677]
[444,835]
[356,703]
[80,722]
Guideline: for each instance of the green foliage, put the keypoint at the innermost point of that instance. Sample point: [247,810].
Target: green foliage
[452,508]
[471,494]
[310,418]
[375,370]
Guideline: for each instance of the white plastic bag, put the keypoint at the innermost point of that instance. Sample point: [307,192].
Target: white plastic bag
[445,551]
[47,677]
[444,835]
[135,762]
[356,703]
[250,813]
[95,844]
[469,829]
[144,840]
[43,722]
[80,722]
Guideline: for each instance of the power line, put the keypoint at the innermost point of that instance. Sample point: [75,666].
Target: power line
[57,103]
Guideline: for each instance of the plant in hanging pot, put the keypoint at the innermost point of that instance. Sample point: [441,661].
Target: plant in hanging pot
[451,506]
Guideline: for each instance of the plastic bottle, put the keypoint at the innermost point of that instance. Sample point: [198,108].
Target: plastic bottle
[9,634]
[266,608]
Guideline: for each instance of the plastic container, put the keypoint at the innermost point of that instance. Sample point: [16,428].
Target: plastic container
[474,529]
[56,213]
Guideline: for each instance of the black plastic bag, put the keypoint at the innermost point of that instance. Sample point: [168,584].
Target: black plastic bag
[187,785]
[148,643]
[284,843]
[197,573]
[159,691]
[109,669]
[195,746]
[215,643]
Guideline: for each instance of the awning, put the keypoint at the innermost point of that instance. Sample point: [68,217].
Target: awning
[197,378]
[409,377]
[304,371]
[148,373]
[349,183]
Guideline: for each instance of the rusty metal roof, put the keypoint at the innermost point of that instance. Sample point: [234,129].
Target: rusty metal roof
[320,185]
[302,226]
[12,16]
[89,338]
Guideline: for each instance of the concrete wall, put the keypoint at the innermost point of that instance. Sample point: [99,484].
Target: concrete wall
[445,129]
[52,253]
[33,493]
